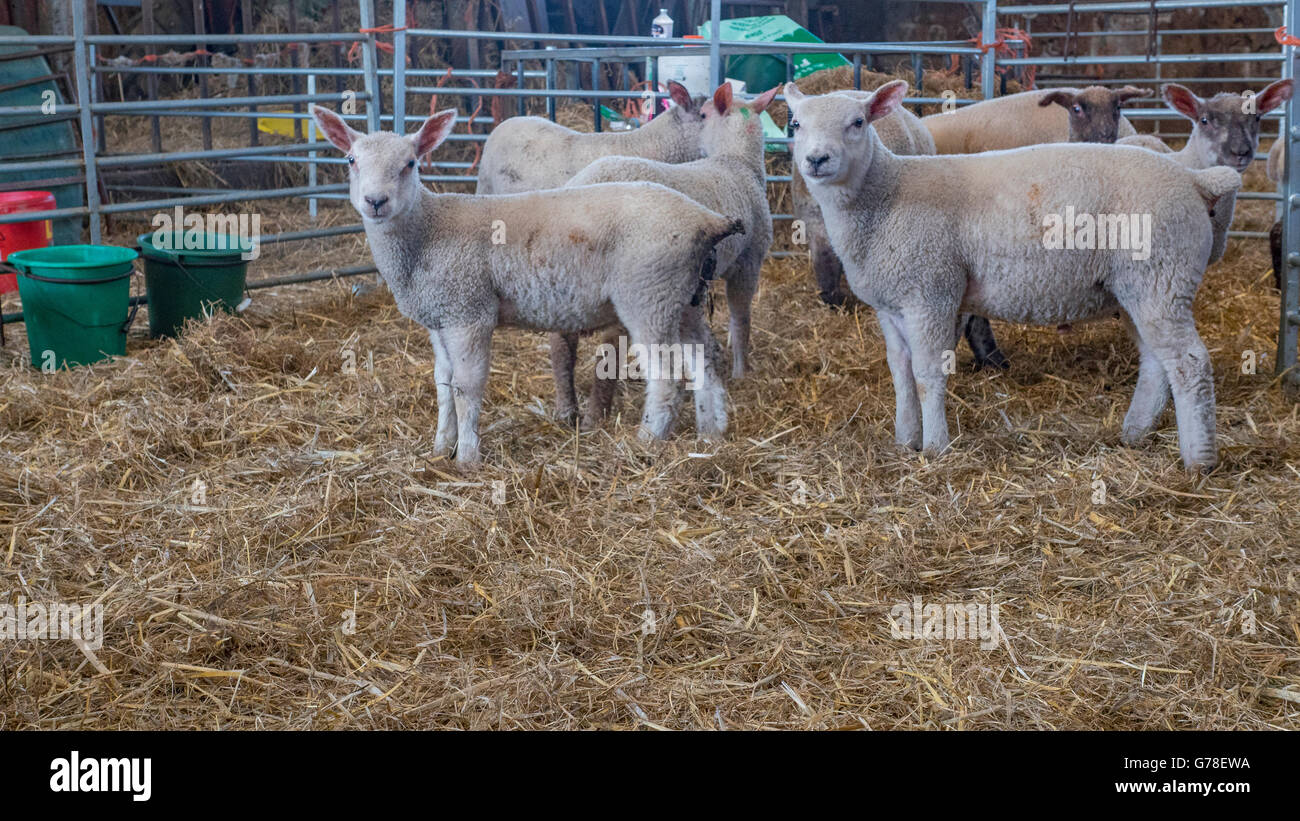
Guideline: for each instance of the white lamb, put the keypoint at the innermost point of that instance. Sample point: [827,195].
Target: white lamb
[1225,131]
[903,133]
[729,180]
[532,153]
[566,260]
[1057,115]
[925,238]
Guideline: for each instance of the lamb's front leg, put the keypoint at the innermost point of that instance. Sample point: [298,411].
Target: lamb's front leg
[445,440]
[907,409]
[470,348]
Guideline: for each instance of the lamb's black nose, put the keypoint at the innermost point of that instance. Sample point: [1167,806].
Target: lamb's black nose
[376,202]
[815,163]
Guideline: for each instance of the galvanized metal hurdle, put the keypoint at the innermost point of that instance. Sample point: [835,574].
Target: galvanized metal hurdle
[593,50]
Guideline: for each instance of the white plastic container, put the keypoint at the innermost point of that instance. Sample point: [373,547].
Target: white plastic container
[689,70]
[662,26]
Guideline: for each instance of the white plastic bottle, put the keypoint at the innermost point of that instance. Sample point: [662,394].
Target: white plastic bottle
[662,26]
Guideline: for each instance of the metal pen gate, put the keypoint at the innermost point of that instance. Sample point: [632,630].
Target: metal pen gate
[594,51]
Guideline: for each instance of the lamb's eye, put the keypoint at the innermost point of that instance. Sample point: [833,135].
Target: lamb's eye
[352,160]
[410,165]
[794,125]
[859,122]
[1205,121]
[1078,109]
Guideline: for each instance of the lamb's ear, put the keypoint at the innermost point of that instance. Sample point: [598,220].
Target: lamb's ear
[722,98]
[1129,92]
[760,103]
[1273,96]
[1182,100]
[679,94]
[793,96]
[886,100]
[433,132]
[335,130]
[1064,99]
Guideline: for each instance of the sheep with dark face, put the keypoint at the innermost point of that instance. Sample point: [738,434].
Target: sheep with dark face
[1094,113]
[1058,115]
[1225,132]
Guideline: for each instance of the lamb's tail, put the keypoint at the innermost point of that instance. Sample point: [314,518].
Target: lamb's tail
[1215,183]
[716,229]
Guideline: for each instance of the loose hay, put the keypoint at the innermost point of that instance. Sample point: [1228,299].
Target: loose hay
[276,547]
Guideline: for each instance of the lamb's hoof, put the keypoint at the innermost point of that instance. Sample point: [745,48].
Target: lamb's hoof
[995,360]
[833,299]
[1132,437]
[444,449]
[1203,463]
[567,418]
[469,465]
[913,445]
[364,288]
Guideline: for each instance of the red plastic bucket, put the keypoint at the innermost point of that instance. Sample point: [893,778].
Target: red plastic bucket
[20,236]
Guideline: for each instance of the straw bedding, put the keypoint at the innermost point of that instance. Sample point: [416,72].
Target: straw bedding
[276,547]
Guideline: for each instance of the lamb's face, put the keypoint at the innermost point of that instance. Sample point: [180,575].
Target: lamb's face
[1094,112]
[383,175]
[830,132]
[831,140]
[1226,130]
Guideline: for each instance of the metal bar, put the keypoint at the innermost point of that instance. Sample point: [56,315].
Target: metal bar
[988,71]
[727,47]
[399,65]
[219,102]
[246,14]
[80,58]
[214,199]
[199,27]
[370,64]
[715,43]
[210,39]
[312,203]
[261,284]
[1288,333]
[155,124]
[1129,59]
[1142,7]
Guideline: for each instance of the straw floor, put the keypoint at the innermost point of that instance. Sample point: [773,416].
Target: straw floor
[275,546]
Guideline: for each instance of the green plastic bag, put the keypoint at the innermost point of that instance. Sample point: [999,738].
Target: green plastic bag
[762,71]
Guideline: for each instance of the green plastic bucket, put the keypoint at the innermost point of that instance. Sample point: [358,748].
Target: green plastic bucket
[75,302]
[191,275]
